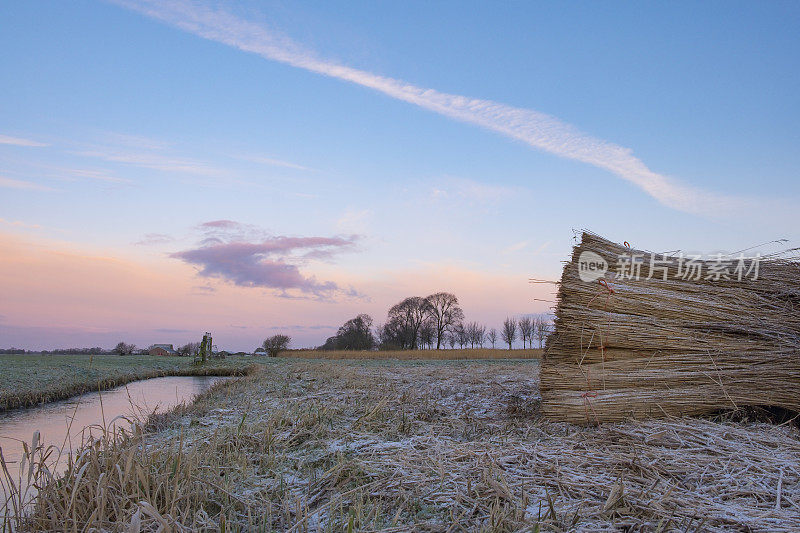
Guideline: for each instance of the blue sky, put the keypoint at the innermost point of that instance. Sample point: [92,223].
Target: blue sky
[127,126]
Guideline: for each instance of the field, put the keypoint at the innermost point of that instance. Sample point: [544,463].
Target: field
[403,355]
[32,379]
[423,446]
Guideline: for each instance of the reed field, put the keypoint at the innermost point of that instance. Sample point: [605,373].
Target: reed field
[310,445]
[32,379]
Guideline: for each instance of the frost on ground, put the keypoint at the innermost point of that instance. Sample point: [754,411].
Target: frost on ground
[457,446]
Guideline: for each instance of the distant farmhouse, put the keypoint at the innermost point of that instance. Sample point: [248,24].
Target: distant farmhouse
[162,349]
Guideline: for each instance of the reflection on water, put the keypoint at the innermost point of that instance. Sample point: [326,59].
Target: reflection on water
[64,424]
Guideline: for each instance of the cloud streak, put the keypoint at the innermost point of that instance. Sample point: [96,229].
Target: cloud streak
[96,175]
[271,161]
[154,239]
[16,141]
[19,224]
[450,188]
[9,183]
[270,261]
[539,130]
[153,161]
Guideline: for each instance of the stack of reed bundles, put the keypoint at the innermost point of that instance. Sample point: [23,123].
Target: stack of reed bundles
[625,348]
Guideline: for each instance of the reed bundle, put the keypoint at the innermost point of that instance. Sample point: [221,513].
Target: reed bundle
[651,341]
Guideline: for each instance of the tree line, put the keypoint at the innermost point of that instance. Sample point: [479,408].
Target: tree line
[188,349]
[58,351]
[436,321]
[433,322]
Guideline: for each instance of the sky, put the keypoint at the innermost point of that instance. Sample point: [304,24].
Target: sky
[174,167]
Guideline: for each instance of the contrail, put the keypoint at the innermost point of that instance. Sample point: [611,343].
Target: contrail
[536,129]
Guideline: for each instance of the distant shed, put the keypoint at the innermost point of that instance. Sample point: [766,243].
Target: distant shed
[162,349]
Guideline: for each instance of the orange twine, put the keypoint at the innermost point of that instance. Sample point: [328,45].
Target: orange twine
[587,404]
[603,283]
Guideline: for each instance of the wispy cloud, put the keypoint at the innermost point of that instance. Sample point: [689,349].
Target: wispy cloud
[153,160]
[355,220]
[92,174]
[140,142]
[534,128]
[270,161]
[143,152]
[266,261]
[516,247]
[204,289]
[172,330]
[23,185]
[19,224]
[300,327]
[154,239]
[16,141]
[222,231]
[452,188]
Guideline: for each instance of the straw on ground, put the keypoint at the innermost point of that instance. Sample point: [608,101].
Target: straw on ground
[425,446]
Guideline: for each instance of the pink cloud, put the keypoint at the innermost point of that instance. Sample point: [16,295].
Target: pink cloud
[227,252]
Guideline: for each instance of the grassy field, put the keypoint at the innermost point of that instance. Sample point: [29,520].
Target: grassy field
[32,379]
[474,353]
[392,446]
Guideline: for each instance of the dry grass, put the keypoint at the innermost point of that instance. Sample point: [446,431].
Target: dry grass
[405,355]
[651,347]
[458,446]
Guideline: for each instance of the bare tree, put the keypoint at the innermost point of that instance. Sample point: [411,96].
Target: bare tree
[124,349]
[427,332]
[492,336]
[390,335]
[461,335]
[276,344]
[526,330]
[509,332]
[475,334]
[541,326]
[445,312]
[471,333]
[190,349]
[451,340]
[355,334]
[481,335]
[406,318]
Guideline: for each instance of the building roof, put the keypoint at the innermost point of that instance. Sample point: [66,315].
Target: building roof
[165,347]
